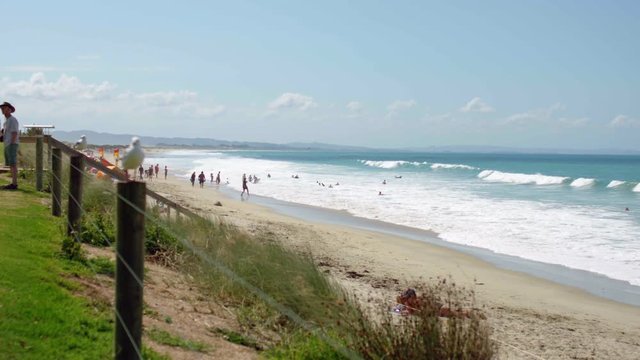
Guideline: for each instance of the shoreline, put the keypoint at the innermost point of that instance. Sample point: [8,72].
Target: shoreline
[526,312]
[593,283]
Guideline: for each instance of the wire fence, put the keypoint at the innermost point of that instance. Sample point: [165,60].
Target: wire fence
[195,250]
[190,246]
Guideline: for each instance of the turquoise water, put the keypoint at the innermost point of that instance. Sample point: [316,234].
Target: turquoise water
[559,209]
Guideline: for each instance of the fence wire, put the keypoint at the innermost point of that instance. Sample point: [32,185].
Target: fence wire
[76,238]
[296,318]
[222,268]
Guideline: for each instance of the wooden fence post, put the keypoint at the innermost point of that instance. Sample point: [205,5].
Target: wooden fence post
[75,194]
[39,157]
[56,182]
[129,269]
[48,138]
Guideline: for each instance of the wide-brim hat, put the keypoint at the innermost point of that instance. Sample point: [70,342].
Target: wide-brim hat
[8,105]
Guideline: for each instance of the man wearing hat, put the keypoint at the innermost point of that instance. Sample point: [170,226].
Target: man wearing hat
[11,134]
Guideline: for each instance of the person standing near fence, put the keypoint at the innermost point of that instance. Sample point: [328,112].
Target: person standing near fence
[11,139]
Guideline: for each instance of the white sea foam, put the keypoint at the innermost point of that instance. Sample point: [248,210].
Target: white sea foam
[583,182]
[389,164]
[516,178]
[615,183]
[636,188]
[583,237]
[452,166]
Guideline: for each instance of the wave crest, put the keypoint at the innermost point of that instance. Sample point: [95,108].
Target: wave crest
[389,164]
[582,182]
[452,166]
[615,183]
[516,178]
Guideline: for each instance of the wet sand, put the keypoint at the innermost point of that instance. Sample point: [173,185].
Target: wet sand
[530,316]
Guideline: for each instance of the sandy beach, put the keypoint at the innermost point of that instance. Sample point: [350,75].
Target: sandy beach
[531,318]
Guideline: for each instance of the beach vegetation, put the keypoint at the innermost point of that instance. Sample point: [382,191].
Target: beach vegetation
[165,338]
[102,265]
[279,296]
[72,249]
[444,325]
[236,338]
[41,317]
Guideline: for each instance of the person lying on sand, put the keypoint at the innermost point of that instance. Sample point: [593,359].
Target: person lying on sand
[409,303]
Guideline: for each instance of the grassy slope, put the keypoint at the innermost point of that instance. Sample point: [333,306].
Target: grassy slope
[39,316]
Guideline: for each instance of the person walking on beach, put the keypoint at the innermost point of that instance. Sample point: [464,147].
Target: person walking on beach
[140,171]
[193,178]
[212,178]
[165,172]
[218,178]
[244,185]
[201,179]
[11,140]
[157,170]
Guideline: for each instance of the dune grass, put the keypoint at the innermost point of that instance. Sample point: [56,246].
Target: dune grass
[42,315]
[278,295]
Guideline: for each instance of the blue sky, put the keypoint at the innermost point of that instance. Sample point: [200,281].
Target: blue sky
[528,74]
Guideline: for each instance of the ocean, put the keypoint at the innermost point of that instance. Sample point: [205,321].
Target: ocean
[567,210]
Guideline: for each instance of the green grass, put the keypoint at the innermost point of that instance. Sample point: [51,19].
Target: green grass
[282,276]
[40,315]
[164,338]
[102,265]
[236,338]
[41,318]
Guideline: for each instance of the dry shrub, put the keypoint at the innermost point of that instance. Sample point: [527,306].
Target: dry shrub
[424,334]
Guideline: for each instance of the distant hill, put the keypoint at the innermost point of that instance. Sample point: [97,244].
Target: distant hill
[98,138]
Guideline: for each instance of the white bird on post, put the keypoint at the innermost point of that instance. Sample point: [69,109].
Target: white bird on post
[134,155]
[81,144]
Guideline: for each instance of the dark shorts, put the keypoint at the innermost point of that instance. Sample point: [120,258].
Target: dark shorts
[11,154]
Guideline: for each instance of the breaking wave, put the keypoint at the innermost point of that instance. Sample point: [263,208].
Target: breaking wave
[582,182]
[389,164]
[615,183]
[516,178]
[452,166]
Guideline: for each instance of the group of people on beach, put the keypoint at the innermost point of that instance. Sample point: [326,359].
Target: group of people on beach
[202,178]
[151,172]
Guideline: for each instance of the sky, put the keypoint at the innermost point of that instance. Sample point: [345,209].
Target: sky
[391,74]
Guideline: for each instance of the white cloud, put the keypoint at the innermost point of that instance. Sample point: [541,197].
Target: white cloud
[67,87]
[476,105]
[624,121]
[535,115]
[578,122]
[546,116]
[355,106]
[81,98]
[399,105]
[167,98]
[292,101]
